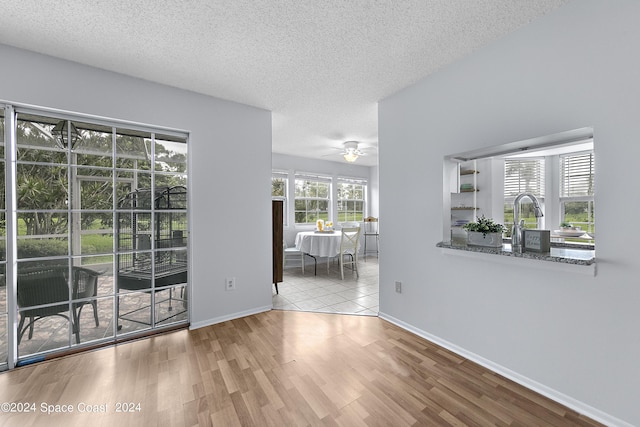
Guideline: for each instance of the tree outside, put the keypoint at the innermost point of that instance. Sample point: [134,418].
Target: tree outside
[50,179]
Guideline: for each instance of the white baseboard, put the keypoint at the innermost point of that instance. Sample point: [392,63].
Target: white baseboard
[227,317]
[552,394]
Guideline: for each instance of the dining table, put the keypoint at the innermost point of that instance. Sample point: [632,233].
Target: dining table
[323,244]
[319,243]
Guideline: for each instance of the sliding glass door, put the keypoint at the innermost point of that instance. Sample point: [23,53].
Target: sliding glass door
[101,232]
[4,323]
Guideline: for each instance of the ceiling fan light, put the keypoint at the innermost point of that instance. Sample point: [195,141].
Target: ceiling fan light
[351,151]
[350,156]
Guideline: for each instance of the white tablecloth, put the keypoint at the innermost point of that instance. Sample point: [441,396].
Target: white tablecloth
[319,244]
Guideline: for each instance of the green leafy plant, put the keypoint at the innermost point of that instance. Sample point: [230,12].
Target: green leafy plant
[484,226]
[566,225]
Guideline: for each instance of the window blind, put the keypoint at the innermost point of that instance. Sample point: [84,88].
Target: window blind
[279,175]
[524,176]
[312,177]
[576,174]
[345,180]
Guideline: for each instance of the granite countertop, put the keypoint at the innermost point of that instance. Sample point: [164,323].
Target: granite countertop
[581,255]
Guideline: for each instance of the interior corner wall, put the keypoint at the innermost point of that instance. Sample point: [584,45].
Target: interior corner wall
[230,218]
[575,336]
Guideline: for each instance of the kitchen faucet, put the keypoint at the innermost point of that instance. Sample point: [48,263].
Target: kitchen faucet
[516,231]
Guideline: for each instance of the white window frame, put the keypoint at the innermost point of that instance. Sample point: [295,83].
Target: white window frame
[339,200]
[552,200]
[584,194]
[319,179]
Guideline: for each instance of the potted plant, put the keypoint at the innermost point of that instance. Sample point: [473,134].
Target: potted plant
[567,226]
[484,232]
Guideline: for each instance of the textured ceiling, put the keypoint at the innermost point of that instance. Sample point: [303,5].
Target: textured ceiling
[320,66]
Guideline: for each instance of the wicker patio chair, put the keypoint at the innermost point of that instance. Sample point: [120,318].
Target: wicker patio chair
[85,285]
[40,286]
[49,285]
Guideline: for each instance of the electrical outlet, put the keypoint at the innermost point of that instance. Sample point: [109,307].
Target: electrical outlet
[399,287]
[230,284]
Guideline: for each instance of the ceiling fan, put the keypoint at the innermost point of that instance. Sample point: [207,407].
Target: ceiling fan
[350,151]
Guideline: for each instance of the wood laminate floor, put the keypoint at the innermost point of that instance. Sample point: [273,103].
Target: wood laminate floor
[279,368]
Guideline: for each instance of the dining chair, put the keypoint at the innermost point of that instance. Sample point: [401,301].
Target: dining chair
[371,230]
[349,248]
[349,224]
[292,252]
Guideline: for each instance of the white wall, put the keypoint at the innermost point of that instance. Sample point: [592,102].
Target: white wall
[229,216]
[572,336]
[292,164]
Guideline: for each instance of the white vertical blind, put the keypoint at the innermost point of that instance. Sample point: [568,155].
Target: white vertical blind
[279,175]
[576,175]
[312,177]
[347,180]
[524,176]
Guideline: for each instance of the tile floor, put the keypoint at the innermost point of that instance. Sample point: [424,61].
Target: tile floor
[327,292]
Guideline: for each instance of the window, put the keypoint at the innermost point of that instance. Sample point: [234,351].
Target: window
[100,220]
[316,196]
[312,198]
[279,186]
[522,176]
[279,182]
[351,193]
[576,190]
[557,169]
